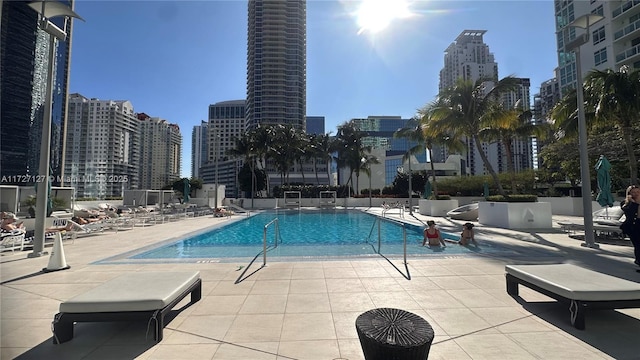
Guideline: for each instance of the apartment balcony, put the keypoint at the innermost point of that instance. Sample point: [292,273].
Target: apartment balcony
[629,8]
[627,31]
[628,55]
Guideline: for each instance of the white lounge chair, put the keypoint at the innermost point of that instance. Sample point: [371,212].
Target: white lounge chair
[13,241]
[581,288]
[77,229]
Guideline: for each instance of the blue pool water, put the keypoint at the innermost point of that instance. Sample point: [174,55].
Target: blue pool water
[313,233]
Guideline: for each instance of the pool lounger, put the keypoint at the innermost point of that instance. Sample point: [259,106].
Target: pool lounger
[581,288]
[133,296]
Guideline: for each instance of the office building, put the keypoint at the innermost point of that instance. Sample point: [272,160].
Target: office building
[315,125]
[226,124]
[199,148]
[24,50]
[276,63]
[379,136]
[102,148]
[160,150]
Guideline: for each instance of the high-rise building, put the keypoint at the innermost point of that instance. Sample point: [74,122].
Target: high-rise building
[467,58]
[276,63]
[521,148]
[315,125]
[24,60]
[160,150]
[614,41]
[199,148]
[226,124]
[102,147]
[543,103]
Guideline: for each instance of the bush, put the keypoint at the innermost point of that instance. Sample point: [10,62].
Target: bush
[513,198]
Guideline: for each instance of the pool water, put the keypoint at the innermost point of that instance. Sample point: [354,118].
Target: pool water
[306,233]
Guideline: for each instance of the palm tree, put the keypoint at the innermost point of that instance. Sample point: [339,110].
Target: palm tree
[326,147]
[463,108]
[413,132]
[432,137]
[615,96]
[245,149]
[367,161]
[350,149]
[509,125]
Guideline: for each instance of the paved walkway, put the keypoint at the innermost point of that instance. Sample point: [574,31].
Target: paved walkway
[307,310]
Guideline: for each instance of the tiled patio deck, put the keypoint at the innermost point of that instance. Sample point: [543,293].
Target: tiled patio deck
[307,310]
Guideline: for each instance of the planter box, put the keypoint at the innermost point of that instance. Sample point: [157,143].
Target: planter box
[515,215]
[437,207]
[571,206]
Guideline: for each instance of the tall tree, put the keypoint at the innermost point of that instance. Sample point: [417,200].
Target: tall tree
[616,98]
[350,149]
[509,125]
[463,108]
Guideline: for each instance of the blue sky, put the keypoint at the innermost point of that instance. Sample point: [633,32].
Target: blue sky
[172,59]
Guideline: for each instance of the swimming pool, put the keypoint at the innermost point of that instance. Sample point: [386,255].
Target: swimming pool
[305,234]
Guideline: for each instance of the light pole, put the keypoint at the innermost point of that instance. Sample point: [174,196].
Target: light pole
[366,162]
[47,10]
[410,189]
[583,22]
[216,147]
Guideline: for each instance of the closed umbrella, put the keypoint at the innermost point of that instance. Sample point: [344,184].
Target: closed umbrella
[486,189]
[186,190]
[605,198]
[427,190]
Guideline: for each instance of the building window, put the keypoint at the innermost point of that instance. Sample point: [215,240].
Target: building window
[598,35]
[600,56]
[599,10]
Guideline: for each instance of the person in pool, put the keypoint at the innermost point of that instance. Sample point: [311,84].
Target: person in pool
[467,235]
[432,235]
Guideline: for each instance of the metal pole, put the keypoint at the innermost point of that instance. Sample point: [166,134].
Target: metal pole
[264,245]
[410,190]
[369,185]
[215,159]
[585,177]
[43,170]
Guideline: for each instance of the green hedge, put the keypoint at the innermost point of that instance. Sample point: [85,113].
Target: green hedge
[513,198]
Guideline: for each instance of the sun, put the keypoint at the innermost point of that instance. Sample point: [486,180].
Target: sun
[374,16]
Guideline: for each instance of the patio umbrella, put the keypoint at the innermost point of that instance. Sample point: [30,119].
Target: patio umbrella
[486,189]
[186,190]
[605,198]
[427,190]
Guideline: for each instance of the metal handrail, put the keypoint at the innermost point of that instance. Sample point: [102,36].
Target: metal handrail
[404,234]
[264,239]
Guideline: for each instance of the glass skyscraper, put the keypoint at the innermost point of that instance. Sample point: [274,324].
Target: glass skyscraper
[24,60]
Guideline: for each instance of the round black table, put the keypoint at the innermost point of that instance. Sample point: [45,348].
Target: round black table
[393,334]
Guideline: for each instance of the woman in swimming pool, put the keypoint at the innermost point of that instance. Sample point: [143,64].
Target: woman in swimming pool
[467,235]
[432,235]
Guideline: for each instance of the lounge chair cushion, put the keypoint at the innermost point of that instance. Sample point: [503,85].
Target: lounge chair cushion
[576,283]
[140,291]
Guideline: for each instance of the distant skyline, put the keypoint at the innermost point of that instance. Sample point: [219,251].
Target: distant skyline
[173,59]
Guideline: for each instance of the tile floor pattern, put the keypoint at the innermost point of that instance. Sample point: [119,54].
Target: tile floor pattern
[307,310]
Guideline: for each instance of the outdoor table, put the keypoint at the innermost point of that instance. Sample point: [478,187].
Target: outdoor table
[393,334]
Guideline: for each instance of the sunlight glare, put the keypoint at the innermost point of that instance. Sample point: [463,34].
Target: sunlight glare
[376,15]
